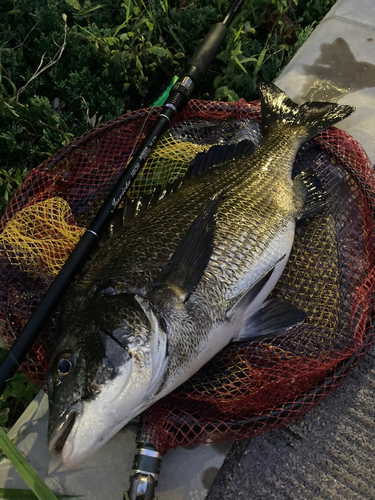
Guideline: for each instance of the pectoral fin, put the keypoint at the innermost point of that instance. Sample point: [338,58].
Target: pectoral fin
[191,257]
[274,317]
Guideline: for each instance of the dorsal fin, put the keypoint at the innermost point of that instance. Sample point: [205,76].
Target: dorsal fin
[218,155]
[215,156]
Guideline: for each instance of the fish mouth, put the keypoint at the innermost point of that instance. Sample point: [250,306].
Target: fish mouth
[62,431]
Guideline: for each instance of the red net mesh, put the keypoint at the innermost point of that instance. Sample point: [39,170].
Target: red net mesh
[249,387]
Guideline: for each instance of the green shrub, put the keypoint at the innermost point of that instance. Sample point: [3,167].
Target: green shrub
[312,11]
[17,396]
[66,66]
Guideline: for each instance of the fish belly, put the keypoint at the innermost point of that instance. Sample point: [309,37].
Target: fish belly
[221,333]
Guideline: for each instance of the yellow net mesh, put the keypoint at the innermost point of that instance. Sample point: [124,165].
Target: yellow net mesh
[166,163]
[40,237]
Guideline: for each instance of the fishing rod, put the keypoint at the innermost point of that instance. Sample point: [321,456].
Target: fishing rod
[178,98]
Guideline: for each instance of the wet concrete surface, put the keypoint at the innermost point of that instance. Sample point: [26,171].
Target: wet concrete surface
[336,72]
[337,64]
[329,454]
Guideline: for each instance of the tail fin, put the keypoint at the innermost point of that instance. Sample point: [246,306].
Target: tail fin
[313,117]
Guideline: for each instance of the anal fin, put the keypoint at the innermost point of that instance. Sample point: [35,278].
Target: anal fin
[274,317]
[246,298]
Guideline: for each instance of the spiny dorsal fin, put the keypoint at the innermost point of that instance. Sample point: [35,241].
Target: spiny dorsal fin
[218,155]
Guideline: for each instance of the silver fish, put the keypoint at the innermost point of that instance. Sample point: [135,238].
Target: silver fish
[178,283]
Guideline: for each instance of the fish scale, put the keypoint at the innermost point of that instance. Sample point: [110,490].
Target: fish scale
[238,215]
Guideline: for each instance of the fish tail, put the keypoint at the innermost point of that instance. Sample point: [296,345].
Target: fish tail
[310,118]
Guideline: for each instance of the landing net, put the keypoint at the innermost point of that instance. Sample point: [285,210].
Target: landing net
[250,387]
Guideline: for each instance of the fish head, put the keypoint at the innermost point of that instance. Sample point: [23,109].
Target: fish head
[106,369]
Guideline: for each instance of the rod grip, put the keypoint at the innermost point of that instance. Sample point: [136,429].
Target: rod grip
[206,52]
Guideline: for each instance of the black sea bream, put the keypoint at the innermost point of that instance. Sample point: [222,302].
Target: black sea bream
[180,282]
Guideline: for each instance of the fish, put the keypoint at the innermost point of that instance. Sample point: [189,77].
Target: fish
[179,282]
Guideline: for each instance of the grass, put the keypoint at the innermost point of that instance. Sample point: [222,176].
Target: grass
[38,488]
[67,66]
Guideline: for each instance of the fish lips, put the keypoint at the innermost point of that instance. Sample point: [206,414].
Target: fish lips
[58,434]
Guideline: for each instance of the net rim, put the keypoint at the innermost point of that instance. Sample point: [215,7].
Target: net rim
[198,109]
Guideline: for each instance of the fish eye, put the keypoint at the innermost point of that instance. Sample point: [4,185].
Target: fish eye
[65,364]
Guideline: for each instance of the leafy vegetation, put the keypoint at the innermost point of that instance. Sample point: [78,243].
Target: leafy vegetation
[38,488]
[17,396]
[17,494]
[68,65]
